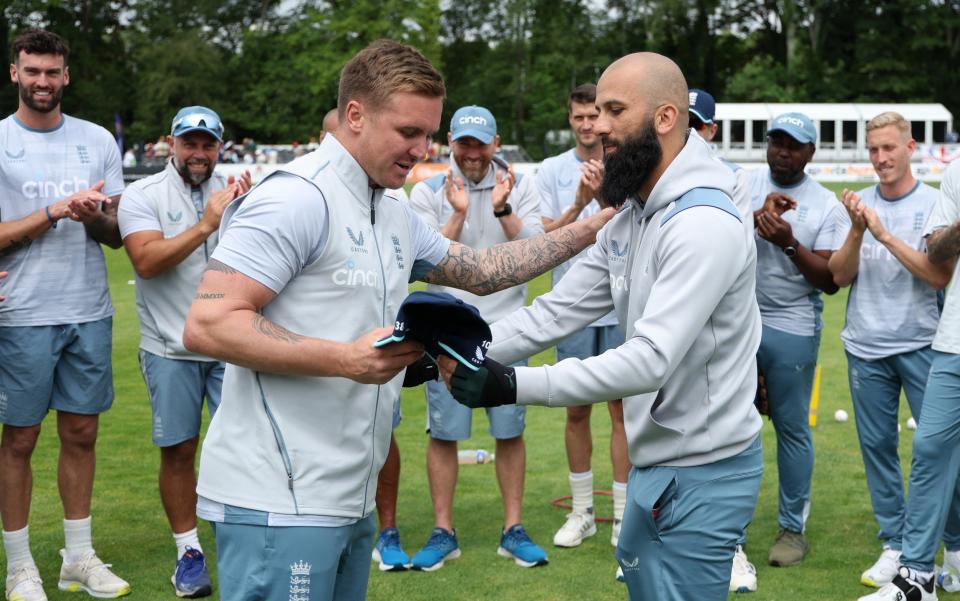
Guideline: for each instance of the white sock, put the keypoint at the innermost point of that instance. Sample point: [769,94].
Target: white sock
[16,544]
[619,499]
[186,539]
[581,485]
[919,577]
[78,539]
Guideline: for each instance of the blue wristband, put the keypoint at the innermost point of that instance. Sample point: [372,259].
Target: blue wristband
[50,217]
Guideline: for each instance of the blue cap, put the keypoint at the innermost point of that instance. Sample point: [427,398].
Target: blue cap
[702,105]
[796,125]
[445,325]
[197,118]
[474,122]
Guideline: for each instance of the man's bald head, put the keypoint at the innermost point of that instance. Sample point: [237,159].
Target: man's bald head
[656,80]
[331,121]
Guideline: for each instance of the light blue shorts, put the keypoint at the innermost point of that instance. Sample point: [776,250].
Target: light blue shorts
[177,389]
[449,420]
[590,342]
[63,367]
[306,563]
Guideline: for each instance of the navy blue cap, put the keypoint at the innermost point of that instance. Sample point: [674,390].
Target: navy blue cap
[702,105]
[445,325]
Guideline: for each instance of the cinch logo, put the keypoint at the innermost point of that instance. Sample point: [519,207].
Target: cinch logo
[472,120]
[792,121]
[52,189]
[619,282]
[352,276]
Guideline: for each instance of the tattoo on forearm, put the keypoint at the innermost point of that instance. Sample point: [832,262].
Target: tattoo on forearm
[209,295]
[944,245]
[492,269]
[215,265]
[268,328]
[15,245]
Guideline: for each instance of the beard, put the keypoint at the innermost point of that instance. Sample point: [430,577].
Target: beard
[473,170]
[630,165]
[194,179]
[26,97]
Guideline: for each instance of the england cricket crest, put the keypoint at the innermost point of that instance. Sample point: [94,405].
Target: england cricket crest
[300,581]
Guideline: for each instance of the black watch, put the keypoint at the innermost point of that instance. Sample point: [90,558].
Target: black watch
[506,210]
[791,251]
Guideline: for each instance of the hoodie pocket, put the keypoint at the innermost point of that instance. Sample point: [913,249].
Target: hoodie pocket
[654,493]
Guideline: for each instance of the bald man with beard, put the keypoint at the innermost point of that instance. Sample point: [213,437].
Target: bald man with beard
[679,268]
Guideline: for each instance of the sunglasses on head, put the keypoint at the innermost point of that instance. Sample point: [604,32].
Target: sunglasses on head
[199,120]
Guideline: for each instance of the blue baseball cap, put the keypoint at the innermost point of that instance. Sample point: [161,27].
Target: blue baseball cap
[702,105]
[445,325]
[796,125]
[197,118]
[474,122]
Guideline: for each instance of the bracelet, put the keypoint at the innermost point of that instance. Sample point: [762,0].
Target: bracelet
[49,216]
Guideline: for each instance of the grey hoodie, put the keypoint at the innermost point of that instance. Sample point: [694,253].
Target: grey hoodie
[680,271]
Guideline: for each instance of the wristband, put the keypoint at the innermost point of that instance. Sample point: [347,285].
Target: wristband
[49,216]
[422,370]
[506,210]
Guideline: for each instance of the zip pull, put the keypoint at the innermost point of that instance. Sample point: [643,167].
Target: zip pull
[290,481]
[373,210]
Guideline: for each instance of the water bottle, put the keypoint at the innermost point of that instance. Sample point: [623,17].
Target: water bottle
[471,456]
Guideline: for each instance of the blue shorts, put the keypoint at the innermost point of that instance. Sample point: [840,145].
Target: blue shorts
[177,388]
[280,563]
[63,367]
[590,342]
[449,420]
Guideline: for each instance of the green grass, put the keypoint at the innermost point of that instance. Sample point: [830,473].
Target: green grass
[130,528]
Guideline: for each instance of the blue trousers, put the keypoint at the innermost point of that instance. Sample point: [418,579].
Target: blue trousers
[681,525]
[875,388]
[788,363]
[936,462]
[302,563]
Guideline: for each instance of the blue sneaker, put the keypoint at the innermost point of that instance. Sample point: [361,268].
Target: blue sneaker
[191,579]
[515,543]
[441,547]
[389,553]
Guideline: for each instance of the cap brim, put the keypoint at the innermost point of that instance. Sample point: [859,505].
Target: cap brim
[484,137]
[457,356]
[797,135]
[389,340]
[186,130]
[701,117]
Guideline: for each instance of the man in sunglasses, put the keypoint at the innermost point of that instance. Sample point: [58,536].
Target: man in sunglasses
[795,218]
[169,224]
[60,180]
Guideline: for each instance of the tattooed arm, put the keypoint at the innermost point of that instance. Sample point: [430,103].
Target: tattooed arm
[944,245]
[18,234]
[488,270]
[224,322]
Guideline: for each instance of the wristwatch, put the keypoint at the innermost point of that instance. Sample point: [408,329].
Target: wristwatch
[506,210]
[791,251]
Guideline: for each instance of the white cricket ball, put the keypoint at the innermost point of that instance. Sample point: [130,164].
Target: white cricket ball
[911,424]
[841,416]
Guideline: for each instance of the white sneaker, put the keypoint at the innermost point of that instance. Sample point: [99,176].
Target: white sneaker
[902,588]
[620,577]
[882,572]
[24,584]
[577,527]
[91,576]
[615,534]
[949,575]
[743,576]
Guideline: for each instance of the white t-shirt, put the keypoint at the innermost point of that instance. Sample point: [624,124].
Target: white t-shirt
[788,302]
[889,311]
[945,213]
[59,278]
[557,181]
